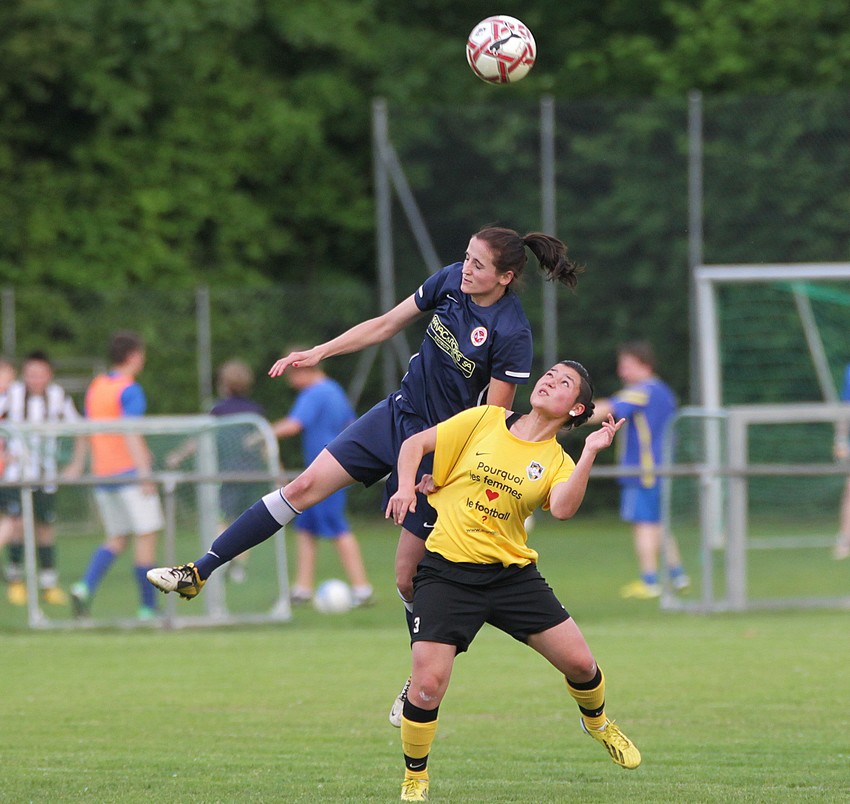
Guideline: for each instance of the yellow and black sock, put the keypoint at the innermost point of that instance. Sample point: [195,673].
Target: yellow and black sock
[418,727]
[590,697]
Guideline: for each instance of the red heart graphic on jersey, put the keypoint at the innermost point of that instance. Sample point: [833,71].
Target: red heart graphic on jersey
[491,495]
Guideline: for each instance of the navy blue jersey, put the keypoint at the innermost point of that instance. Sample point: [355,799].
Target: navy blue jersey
[464,346]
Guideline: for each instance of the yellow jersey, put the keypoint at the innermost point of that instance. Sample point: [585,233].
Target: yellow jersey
[490,481]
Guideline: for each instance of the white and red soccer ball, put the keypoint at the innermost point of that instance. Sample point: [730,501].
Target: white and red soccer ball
[501,50]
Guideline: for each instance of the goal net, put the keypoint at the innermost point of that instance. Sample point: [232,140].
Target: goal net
[206,469]
[755,493]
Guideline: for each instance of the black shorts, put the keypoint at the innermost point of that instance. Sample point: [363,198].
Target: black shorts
[43,504]
[368,451]
[10,498]
[451,601]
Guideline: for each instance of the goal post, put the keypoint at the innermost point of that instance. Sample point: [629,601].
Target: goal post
[752,477]
[829,282]
[768,544]
[200,464]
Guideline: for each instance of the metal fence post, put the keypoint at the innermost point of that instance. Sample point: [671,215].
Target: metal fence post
[548,214]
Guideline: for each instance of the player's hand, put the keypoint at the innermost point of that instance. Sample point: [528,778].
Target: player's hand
[841,451]
[400,504]
[426,485]
[603,437]
[308,358]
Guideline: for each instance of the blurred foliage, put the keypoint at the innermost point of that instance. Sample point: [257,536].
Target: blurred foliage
[151,145]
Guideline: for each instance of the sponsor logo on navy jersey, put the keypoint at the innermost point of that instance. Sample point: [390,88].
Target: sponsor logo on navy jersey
[445,340]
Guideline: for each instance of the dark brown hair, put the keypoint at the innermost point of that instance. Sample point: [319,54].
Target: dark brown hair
[585,394]
[508,248]
[122,345]
[640,350]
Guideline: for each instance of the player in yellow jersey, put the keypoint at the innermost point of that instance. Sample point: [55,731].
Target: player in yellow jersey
[491,470]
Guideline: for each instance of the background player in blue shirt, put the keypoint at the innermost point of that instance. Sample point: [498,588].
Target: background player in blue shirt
[477,348]
[321,411]
[647,404]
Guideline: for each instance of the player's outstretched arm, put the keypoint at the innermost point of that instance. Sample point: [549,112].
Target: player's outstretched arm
[360,336]
[566,498]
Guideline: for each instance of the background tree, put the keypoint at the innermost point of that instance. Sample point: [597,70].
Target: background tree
[162,144]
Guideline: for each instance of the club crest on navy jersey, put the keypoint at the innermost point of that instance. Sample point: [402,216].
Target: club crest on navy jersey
[478,336]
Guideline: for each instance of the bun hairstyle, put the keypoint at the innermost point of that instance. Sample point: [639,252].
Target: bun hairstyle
[509,254]
[585,395]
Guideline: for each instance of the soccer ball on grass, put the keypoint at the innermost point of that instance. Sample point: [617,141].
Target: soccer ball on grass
[501,50]
[333,597]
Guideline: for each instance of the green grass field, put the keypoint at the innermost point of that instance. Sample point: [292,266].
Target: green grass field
[726,708]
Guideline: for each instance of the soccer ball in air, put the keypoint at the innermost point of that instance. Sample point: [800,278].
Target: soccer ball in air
[500,50]
[333,597]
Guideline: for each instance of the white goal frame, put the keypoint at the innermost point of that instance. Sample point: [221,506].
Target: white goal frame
[211,609]
[706,280]
[723,520]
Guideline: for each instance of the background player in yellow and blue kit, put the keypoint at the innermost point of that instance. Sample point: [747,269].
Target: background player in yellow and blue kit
[489,473]
[647,404]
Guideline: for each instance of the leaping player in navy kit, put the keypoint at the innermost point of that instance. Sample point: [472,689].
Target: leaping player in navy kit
[477,349]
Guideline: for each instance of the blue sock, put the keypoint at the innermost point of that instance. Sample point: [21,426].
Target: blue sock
[650,578]
[251,527]
[676,572]
[147,590]
[99,565]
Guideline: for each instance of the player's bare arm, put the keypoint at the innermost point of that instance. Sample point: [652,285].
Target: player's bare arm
[367,333]
[604,408]
[409,458]
[501,393]
[566,498]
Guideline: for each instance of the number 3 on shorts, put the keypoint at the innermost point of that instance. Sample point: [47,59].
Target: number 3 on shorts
[415,625]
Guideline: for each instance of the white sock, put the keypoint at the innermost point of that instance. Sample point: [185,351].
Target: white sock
[279,507]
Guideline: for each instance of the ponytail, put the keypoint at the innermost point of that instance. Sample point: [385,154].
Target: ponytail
[551,253]
[509,254]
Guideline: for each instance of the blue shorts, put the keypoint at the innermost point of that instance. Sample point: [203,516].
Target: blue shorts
[638,504]
[325,519]
[368,451]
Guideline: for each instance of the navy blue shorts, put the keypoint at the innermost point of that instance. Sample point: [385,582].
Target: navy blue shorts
[368,450]
[452,601]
